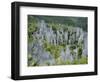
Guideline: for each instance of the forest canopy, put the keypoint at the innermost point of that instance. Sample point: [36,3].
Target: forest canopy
[81,22]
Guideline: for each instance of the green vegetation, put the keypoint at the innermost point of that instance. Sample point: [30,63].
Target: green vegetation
[79,52]
[53,49]
[32,27]
[68,21]
[83,60]
[31,62]
[68,24]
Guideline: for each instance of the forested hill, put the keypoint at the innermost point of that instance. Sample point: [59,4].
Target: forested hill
[70,21]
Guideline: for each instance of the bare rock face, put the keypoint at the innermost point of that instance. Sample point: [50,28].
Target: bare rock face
[85,45]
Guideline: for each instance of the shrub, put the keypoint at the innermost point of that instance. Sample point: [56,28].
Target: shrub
[68,62]
[76,61]
[59,61]
[29,57]
[79,52]
[83,60]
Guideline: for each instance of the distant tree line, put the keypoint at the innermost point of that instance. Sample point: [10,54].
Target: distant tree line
[81,22]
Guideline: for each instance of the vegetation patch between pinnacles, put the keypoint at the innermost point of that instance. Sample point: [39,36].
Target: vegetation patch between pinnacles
[57,40]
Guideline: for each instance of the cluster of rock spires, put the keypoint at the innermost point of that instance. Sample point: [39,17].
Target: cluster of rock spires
[69,37]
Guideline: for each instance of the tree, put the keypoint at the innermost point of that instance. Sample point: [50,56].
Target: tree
[32,27]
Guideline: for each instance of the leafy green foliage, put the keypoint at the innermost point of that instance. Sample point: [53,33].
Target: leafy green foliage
[58,23]
[53,49]
[31,61]
[72,47]
[83,60]
[68,21]
[76,62]
[79,52]
[68,62]
[29,57]
[32,27]
[59,61]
